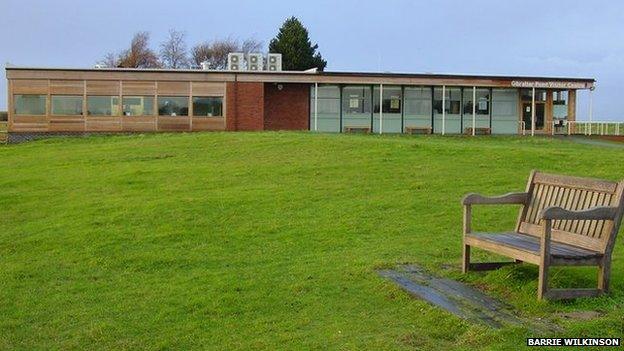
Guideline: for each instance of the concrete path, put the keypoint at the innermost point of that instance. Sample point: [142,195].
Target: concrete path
[592,141]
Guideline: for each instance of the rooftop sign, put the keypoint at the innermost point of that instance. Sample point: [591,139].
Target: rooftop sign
[550,84]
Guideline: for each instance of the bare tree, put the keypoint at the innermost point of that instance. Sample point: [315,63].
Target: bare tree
[219,52]
[110,60]
[201,52]
[139,55]
[173,50]
[216,52]
[251,45]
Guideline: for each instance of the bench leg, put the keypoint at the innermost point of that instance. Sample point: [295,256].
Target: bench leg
[604,273]
[466,259]
[542,283]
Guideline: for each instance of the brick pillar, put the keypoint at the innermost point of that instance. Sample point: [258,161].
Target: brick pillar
[245,106]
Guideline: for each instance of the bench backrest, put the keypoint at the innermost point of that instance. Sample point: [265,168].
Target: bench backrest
[572,193]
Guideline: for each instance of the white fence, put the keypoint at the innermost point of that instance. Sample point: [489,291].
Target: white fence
[588,128]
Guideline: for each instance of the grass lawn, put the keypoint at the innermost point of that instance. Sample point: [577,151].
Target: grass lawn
[268,240]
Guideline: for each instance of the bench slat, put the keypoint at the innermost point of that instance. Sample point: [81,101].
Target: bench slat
[531,244]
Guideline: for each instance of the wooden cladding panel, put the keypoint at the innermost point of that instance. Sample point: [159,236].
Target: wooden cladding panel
[138,88]
[174,88]
[139,123]
[103,124]
[67,87]
[29,123]
[178,123]
[30,86]
[102,87]
[208,123]
[66,124]
[208,89]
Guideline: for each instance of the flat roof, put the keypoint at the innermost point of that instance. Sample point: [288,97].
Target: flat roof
[318,73]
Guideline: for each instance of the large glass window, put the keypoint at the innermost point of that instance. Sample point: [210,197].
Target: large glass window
[357,99]
[29,104]
[527,95]
[452,108]
[356,106]
[560,104]
[483,101]
[66,105]
[417,107]
[391,107]
[173,105]
[208,106]
[328,117]
[138,105]
[103,105]
[482,108]
[505,118]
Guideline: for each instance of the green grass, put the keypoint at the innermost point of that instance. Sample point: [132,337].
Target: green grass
[267,240]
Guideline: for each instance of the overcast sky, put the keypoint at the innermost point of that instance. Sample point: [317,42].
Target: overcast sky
[549,38]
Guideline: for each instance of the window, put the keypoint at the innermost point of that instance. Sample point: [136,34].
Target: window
[417,107]
[138,105]
[328,117]
[173,105]
[391,99]
[560,104]
[29,104]
[452,100]
[66,105]
[483,101]
[103,105]
[418,101]
[527,95]
[328,99]
[357,106]
[208,106]
[356,99]
[560,97]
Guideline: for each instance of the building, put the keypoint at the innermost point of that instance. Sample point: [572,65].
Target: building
[44,101]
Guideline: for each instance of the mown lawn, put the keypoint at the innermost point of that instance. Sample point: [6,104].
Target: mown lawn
[268,240]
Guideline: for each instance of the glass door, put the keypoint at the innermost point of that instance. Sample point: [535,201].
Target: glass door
[539,115]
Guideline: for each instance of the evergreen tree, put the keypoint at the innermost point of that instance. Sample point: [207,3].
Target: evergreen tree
[298,53]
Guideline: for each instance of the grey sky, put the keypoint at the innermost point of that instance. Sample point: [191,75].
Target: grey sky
[551,38]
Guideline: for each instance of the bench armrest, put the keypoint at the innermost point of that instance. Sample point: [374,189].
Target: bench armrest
[594,213]
[509,198]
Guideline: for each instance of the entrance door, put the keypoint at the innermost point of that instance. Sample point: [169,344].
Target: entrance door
[539,115]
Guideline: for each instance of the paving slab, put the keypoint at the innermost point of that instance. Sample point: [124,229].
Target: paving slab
[460,299]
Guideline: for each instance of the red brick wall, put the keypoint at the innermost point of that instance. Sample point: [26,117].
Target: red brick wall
[286,109]
[244,106]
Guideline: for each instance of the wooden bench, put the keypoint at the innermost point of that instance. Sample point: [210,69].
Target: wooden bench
[563,221]
[418,130]
[478,131]
[356,129]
